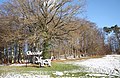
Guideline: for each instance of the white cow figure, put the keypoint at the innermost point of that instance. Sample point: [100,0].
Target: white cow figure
[39,59]
[43,62]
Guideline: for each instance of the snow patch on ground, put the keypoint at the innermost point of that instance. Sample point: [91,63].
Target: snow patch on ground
[14,64]
[18,64]
[110,64]
[24,75]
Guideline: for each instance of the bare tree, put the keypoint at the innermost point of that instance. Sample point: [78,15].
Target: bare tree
[49,19]
[88,39]
[114,30]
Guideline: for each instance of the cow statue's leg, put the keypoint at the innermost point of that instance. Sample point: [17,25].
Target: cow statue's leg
[49,62]
[42,63]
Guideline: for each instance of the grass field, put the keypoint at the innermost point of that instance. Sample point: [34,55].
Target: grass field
[34,69]
[65,66]
[69,70]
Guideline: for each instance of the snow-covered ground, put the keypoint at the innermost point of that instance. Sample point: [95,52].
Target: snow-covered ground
[110,64]
[22,75]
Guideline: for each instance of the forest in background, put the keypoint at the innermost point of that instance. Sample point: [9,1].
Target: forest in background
[52,26]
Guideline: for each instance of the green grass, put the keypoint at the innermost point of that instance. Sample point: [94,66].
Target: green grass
[54,67]
[34,69]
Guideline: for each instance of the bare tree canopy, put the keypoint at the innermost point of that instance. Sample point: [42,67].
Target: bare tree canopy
[47,18]
[50,20]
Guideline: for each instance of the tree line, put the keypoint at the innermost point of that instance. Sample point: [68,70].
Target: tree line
[51,26]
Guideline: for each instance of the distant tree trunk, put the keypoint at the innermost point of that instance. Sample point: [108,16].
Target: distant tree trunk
[65,54]
[15,52]
[10,54]
[74,53]
[0,57]
[58,55]
[19,53]
[5,55]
